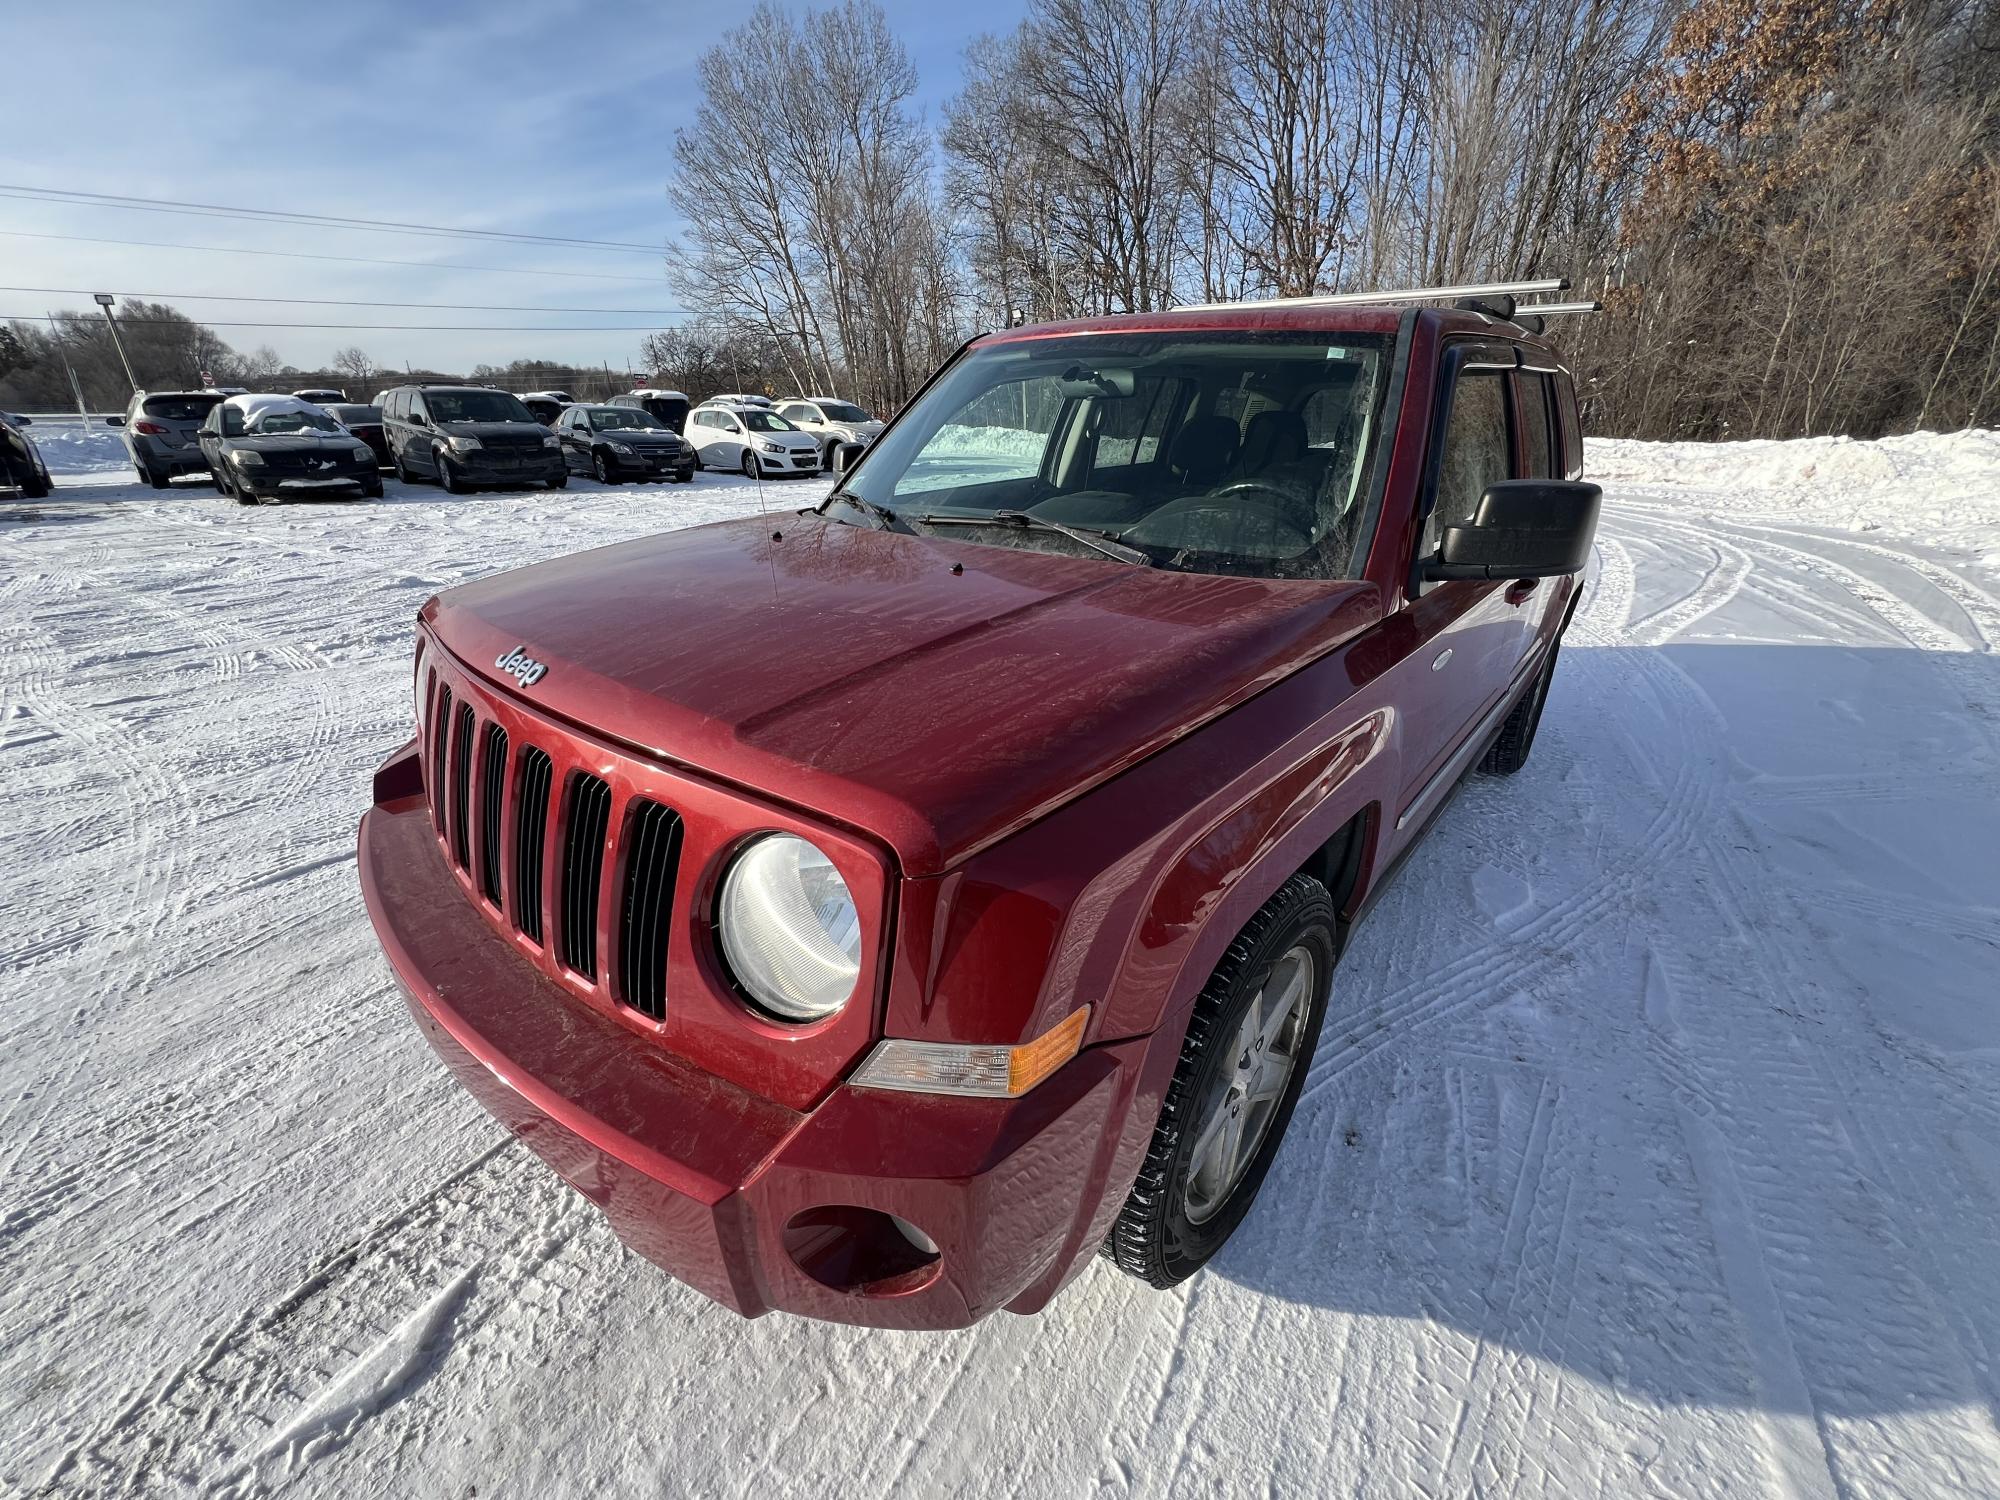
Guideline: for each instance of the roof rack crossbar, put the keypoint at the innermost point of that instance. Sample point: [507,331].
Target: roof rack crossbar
[1411,294]
[1539,308]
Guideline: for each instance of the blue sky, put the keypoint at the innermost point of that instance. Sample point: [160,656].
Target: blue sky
[554,118]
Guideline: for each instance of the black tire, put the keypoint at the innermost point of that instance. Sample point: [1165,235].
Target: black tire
[560,482]
[35,486]
[1154,1237]
[403,475]
[453,485]
[372,491]
[1517,735]
[215,478]
[600,466]
[753,466]
[156,479]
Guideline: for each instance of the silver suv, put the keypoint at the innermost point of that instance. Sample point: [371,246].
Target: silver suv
[831,420]
[160,432]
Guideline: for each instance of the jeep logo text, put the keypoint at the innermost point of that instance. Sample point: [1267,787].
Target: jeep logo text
[522,667]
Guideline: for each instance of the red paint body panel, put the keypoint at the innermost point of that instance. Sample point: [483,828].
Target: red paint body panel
[1049,781]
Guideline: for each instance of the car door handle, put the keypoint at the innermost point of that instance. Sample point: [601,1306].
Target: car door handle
[1437,662]
[1521,590]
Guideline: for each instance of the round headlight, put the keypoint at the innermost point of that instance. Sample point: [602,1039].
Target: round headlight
[790,929]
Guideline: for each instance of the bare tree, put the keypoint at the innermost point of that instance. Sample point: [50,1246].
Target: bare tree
[356,364]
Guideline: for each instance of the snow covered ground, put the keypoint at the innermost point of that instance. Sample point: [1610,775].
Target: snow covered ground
[1653,1147]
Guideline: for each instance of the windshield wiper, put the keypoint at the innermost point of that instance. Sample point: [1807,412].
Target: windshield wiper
[881,513]
[1110,546]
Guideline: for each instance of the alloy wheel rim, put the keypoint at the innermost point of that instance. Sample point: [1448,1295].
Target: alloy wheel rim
[1244,1094]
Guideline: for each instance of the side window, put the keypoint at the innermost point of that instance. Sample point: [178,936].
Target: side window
[1478,451]
[415,403]
[725,421]
[1572,431]
[1131,429]
[232,422]
[1537,440]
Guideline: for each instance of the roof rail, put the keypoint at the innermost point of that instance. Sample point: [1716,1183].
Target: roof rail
[1560,307]
[1411,294]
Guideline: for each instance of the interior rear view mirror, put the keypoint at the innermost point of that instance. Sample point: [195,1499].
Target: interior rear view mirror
[1081,380]
[1524,528]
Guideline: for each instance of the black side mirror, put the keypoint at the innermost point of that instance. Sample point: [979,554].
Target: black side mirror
[114,421]
[1524,528]
[846,456]
[20,421]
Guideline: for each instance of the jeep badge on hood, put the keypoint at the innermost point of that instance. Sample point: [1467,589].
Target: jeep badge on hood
[522,667]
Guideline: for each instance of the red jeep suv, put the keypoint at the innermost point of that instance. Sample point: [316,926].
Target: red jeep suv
[882,910]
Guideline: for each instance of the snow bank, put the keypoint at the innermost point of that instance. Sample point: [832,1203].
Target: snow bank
[1939,487]
[69,448]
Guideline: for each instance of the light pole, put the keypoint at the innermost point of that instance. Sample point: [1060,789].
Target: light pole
[104,300]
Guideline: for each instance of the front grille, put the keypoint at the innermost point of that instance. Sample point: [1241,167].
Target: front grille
[588,817]
[479,778]
[654,841]
[461,785]
[531,825]
[492,789]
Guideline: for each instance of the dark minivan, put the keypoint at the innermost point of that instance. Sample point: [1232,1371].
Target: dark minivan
[670,407]
[464,436]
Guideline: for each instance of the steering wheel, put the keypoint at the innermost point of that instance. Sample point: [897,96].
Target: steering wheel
[1275,503]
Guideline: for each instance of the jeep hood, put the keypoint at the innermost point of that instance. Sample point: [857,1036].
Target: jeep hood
[855,674]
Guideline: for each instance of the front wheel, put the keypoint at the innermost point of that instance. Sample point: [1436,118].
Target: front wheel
[1517,735]
[600,465]
[1249,1045]
[560,482]
[753,467]
[447,476]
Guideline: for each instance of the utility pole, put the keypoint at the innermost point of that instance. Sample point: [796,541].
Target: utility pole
[104,300]
[62,348]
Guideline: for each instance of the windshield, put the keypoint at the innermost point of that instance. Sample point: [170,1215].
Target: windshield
[1244,454]
[840,411]
[615,418]
[294,419]
[765,421]
[475,406]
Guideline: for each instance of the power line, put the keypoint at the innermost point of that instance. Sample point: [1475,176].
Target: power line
[77,291]
[125,322]
[287,216]
[352,260]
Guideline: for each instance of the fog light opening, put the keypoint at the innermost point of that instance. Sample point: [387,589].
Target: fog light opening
[862,1251]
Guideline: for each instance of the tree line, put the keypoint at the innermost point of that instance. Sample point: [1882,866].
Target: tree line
[1791,208]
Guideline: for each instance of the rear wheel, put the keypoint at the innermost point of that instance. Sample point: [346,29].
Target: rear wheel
[1249,1044]
[600,465]
[1517,735]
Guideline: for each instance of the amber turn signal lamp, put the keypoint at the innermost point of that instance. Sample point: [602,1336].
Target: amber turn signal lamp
[982,1072]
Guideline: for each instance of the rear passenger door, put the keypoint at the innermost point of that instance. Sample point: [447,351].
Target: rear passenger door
[1469,632]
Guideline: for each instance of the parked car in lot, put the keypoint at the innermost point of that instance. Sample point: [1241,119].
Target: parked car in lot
[754,439]
[831,420]
[621,442]
[365,422]
[159,431]
[281,448]
[544,409]
[882,914]
[737,398]
[671,407]
[21,463]
[561,398]
[464,436]
[321,395]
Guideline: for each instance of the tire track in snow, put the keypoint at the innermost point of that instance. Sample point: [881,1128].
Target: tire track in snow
[287,1384]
